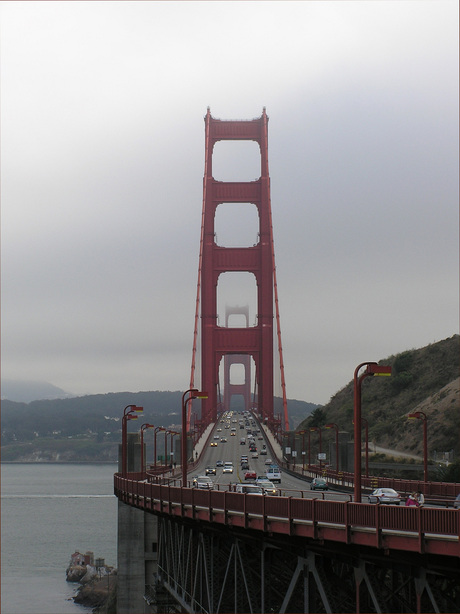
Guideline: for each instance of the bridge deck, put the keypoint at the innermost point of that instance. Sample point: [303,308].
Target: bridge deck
[423,530]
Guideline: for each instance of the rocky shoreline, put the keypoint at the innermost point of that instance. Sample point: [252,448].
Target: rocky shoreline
[98,583]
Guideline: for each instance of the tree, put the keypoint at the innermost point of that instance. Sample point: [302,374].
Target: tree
[318,417]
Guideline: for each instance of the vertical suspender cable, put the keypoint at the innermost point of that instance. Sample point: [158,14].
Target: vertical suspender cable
[275,285]
[198,285]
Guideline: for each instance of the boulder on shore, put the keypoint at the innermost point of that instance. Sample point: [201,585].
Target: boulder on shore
[74,573]
[96,592]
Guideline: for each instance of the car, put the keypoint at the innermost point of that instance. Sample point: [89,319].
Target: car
[228,467]
[242,441]
[223,440]
[260,437]
[233,434]
[385,495]
[249,489]
[219,430]
[216,437]
[244,466]
[268,460]
[210,471]
[203,482]
[273,473]
[318,484]
[213,444]
[269,487]
[244,457]
[254,455]
[219,463]
[250,475]
[263,452]
[457,502]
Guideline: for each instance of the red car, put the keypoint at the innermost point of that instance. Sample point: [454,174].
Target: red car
[250,475]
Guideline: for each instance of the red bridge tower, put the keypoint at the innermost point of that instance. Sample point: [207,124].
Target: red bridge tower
[237,344]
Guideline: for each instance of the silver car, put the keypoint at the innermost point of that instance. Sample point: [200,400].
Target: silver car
[203,482]
[385,495]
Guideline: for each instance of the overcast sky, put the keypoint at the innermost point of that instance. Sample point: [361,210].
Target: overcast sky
[102,143]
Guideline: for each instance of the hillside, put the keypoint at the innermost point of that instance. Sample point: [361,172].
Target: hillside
[88,428]
[425,379]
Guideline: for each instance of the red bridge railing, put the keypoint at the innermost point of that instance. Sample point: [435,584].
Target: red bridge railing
[430,530]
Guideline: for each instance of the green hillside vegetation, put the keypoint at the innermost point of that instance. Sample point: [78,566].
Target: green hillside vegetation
[425,379]
[88,428]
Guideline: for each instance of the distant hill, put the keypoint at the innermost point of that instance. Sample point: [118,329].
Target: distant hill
[425,379]
[89,427]
[25,391]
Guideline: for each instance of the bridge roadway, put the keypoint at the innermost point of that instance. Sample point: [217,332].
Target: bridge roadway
[232,450]
[220,551]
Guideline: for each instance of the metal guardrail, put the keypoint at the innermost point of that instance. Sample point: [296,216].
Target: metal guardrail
[342,478]
[430,530]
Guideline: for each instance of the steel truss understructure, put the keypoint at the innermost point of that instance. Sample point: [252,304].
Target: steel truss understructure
[216,571]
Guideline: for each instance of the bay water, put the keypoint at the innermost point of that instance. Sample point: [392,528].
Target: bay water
[48,511]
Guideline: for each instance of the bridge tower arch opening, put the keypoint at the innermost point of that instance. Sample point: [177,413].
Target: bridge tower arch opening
[237,367]
[246,342]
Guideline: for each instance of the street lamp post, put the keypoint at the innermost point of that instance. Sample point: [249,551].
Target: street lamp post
[372,368]
[315,428]
[172,433]
[366,429]
[157,430]
[166,448]
[303,447]
[193,393]
[331,426]
[130,412]
[144,427]
[420,415]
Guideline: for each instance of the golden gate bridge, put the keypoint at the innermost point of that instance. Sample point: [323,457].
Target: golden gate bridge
[182,549]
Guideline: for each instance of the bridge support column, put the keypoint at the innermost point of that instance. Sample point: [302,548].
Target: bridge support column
[137,549]
[131,567]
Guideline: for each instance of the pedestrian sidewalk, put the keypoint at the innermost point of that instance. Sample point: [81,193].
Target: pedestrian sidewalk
[201,443]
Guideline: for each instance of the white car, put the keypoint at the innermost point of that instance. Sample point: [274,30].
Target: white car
[228,468]
[273,474]
[203,482]
[268,487]
[249,489]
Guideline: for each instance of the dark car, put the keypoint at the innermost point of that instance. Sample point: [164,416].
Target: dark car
[318,484]
[244,466]
[210,471]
